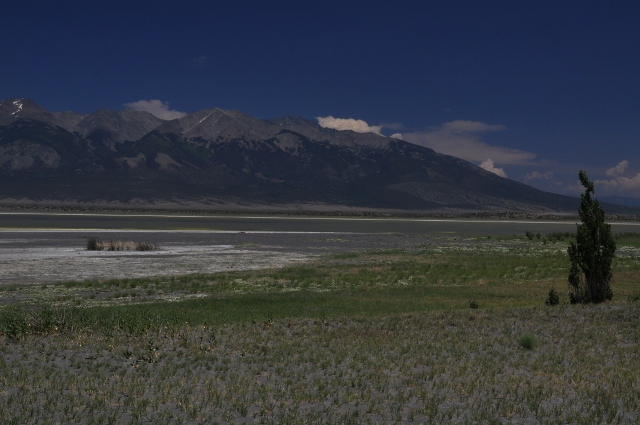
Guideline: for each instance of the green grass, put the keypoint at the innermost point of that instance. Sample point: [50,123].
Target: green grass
[372,284]
[257,307]
[627,239]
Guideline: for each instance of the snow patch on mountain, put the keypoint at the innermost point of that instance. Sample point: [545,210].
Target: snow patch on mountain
[18,104]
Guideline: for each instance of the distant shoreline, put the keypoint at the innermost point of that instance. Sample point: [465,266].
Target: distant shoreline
[301,211]
[257,211]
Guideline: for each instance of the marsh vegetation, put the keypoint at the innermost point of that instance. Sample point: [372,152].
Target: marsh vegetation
[365,337]
[97,244]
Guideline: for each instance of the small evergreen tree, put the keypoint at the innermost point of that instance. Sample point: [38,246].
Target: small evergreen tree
[592,252]
[553,298]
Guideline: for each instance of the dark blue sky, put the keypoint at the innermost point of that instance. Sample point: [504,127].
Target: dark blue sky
[540,88]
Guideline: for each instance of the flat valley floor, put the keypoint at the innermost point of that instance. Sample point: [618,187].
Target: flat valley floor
[288,321]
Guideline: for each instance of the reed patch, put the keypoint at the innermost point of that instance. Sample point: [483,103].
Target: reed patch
[97,244]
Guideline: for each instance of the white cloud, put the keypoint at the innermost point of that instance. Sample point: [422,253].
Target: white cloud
[155,107]
[618,169]
[397,136]
[621,185]
[489,166]
[359,126]
[534,175]
[462,139]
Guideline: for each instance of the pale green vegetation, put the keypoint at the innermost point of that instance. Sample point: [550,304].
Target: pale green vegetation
[375,337]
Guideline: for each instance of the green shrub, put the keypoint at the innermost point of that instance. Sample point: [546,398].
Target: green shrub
[553,298]
[527,341]
[14,323]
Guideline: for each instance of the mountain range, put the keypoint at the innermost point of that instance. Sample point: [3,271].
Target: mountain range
[215,157]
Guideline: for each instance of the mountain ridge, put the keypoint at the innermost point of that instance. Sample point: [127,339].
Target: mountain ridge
[215,155]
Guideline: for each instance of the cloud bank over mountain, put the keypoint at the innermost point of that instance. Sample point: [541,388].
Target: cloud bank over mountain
[489,166]
[618,169]
[620,184]
[156,107]
[359,126]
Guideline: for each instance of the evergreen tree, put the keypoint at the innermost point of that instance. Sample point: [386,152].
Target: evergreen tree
[592,252]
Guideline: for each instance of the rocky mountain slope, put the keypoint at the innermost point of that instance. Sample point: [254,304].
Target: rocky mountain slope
[216,156]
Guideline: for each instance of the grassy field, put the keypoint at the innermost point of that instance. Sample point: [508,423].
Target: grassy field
[373,337]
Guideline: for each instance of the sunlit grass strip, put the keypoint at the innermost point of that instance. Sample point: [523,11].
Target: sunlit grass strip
[363,301]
